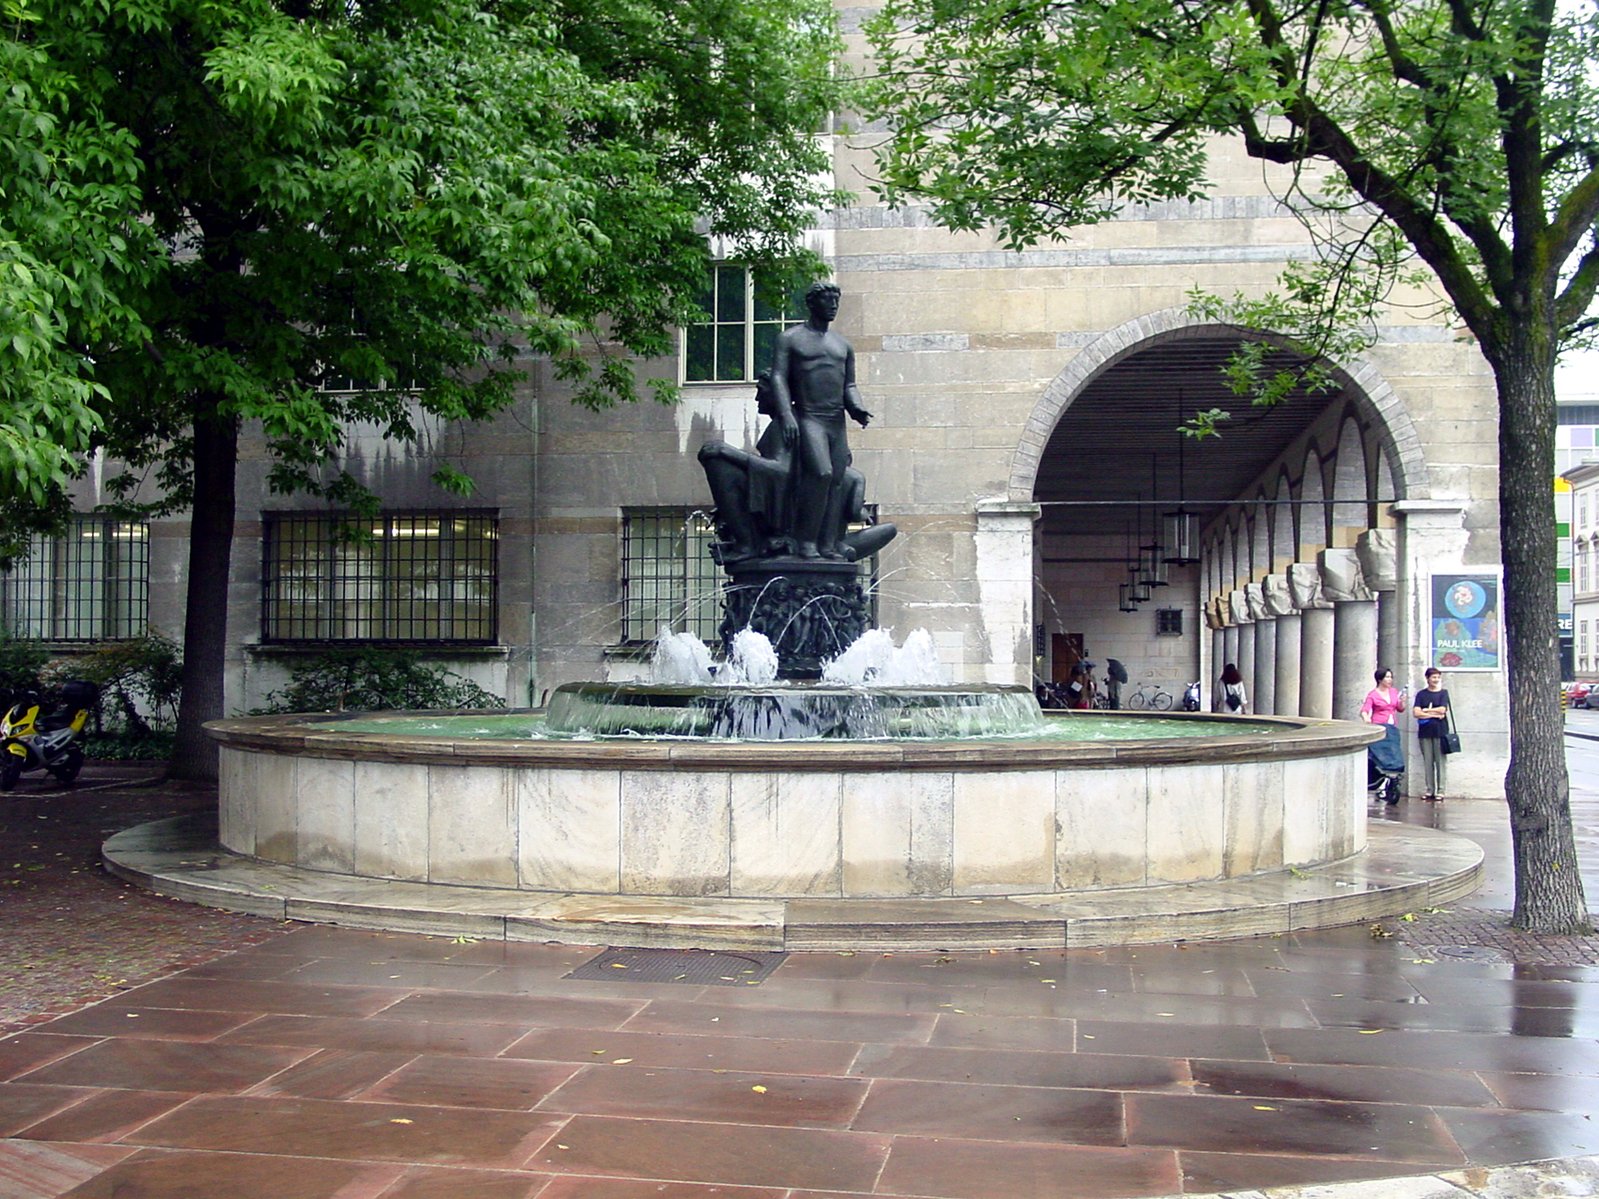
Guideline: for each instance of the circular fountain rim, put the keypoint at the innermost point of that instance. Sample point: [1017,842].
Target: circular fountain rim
[319,734]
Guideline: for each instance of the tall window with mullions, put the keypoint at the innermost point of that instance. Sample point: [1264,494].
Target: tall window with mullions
[405,577]
[91,583]
[744,310]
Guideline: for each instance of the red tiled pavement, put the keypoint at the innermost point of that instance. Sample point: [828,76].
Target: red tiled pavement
[265,1060]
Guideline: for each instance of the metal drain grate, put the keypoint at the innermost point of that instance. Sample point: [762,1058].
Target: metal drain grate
[1463,953]
[697,967]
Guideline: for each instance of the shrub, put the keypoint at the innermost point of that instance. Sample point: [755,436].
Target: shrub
[21,664]
[124,746]
[369,680]
[147,669]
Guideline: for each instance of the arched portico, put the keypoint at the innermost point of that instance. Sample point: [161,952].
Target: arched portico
[1304,572]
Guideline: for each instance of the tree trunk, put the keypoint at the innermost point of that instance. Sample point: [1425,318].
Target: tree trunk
[205,623]
[1549,895]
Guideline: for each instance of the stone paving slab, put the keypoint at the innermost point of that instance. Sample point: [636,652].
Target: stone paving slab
[344,1062]
[73,933]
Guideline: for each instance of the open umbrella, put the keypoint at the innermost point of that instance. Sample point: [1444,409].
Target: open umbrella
[1117,670]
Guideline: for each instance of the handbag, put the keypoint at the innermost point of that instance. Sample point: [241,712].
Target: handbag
[1450,738]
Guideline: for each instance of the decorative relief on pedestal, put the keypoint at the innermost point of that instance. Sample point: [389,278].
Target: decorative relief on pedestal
[810,611]
[1254,597]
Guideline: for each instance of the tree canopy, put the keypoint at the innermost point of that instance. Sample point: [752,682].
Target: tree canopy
[70,250]
[307,213]
[1454,138]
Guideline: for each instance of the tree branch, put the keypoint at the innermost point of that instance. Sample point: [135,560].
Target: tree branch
[1324,137]
[1576,217]
[1572,305]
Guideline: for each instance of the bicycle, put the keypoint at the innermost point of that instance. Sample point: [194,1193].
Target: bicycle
[1148,695]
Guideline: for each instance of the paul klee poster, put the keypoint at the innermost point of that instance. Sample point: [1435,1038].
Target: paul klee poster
[1465,622]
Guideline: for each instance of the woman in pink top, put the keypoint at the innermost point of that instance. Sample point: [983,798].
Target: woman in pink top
[1382,705]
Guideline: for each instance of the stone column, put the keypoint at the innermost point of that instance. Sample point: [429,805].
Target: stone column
[1229,634]
[1315,640]
[1262,695]
[1218,650]
[1286,624]
[1379,563]
[1004,545]
[1354,630]
[1246,639]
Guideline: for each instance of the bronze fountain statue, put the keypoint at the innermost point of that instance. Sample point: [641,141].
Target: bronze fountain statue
[784,513]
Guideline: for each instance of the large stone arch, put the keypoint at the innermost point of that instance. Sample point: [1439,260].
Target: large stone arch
[1365,386]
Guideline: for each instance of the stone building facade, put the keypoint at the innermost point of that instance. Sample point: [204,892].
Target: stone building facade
[1024,442]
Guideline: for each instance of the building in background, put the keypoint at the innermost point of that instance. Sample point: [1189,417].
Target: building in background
[1577,399]
[1024,442]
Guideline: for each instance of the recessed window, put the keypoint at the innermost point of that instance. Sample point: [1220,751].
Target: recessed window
[1169,622]
[89,584]
[744,310]
[400,577]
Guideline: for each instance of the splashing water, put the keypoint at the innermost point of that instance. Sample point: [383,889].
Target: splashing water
[680,659]
[751,660]
[875,660]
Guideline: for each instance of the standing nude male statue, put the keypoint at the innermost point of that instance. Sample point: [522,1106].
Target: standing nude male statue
[813,376]
[754,495]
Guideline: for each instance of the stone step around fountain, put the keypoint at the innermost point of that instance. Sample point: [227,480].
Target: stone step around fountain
[1403,868]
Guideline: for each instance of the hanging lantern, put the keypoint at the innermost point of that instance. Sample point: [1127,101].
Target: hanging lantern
[1181,537]
[1152,567]
[1182,526]
[1135,567]
[1152,561]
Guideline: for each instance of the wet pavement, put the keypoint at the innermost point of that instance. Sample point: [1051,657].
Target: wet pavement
[229,1056]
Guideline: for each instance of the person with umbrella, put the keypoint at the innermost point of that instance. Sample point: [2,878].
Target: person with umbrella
[1117,675]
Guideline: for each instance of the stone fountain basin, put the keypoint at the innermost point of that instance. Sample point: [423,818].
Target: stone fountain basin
[685,818]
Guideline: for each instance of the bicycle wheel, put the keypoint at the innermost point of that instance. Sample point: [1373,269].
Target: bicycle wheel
[1160,701]
[1136,700]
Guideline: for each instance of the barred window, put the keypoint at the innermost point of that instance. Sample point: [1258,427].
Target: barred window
[745,310]
[669,577]
[405,576]
[89,584]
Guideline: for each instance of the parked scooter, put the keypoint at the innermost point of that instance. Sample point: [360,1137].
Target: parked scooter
[1191,697]
[32,739]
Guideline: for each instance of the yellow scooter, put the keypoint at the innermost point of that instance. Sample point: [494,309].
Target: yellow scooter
[32,739]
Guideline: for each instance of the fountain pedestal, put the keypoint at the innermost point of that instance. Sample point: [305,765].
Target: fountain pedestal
[810,610]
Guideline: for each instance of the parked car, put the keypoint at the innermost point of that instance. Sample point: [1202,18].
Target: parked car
[1577,694]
